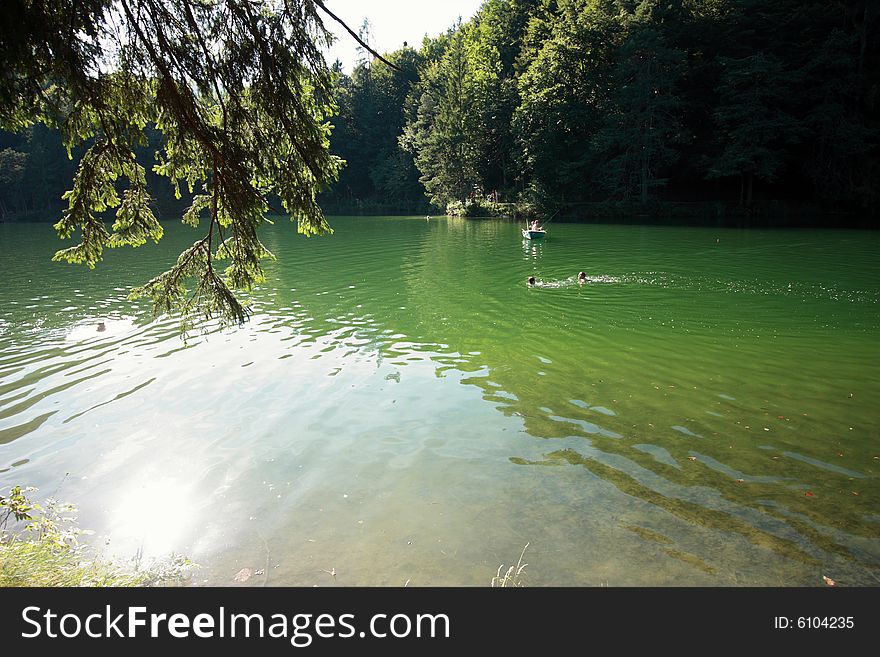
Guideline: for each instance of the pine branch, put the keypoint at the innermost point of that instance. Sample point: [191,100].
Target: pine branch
[356,37]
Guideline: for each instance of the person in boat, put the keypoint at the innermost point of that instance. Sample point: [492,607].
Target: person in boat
[535,226]
[531,281]
[582,277]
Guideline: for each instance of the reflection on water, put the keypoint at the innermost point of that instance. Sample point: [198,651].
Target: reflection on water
[403,407]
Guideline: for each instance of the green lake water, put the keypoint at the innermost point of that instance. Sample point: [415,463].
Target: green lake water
[403,407]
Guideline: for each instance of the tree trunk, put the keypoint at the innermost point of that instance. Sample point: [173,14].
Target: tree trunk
[863,39]
[751,181]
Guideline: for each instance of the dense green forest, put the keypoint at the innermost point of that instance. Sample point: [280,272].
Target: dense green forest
[581,107]
[575,104]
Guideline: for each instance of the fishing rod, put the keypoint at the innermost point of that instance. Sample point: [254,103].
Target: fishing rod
[549,219]
[553,215]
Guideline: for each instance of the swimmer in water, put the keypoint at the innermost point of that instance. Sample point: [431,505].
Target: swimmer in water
[531,281]
[582,278]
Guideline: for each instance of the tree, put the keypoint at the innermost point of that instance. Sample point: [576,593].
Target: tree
[752,121]
[393,171]
[839,137]
[378,175]
[442,133]
[241,94]
[494,43]
[564,89]
[12,168]
[643,118]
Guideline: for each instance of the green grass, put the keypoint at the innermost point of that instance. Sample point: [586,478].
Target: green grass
[42,550]
[39,563]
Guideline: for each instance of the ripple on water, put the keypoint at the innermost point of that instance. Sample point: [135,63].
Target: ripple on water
[398,363]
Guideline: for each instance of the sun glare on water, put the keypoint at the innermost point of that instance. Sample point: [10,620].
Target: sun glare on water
[151,516]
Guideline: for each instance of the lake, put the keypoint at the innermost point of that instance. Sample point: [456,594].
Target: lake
[402,407]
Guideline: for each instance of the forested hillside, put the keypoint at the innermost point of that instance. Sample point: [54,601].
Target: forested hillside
[576,106]
[570,104]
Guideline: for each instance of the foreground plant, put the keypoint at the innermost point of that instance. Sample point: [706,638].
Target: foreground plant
[513,576]
[39,547]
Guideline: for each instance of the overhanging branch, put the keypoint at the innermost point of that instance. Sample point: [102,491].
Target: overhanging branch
[323,7]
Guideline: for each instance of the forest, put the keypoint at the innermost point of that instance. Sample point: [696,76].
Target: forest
[585,109]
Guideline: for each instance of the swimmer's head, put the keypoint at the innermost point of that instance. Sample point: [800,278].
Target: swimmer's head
[531,280]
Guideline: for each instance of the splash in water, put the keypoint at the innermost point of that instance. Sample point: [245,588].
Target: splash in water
[572,281]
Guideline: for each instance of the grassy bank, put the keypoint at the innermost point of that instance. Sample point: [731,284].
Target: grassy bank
[38,563]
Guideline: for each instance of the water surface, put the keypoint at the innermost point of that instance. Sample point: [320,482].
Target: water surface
[403,407]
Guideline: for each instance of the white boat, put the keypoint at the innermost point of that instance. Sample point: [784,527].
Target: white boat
[533,234]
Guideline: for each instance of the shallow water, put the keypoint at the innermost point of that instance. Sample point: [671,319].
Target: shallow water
[403,407]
